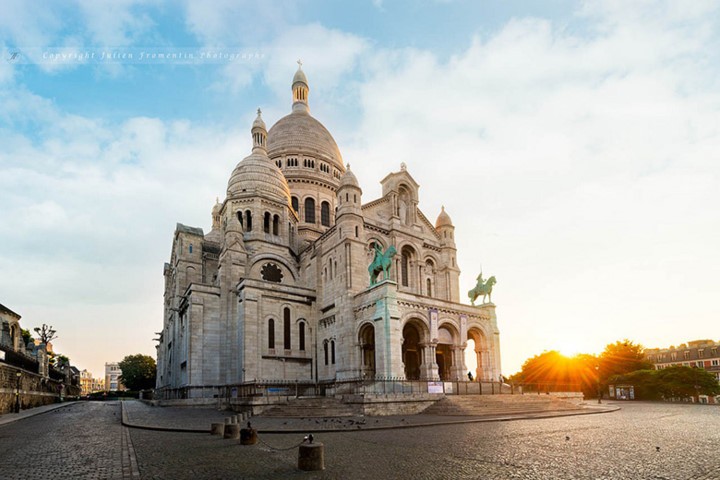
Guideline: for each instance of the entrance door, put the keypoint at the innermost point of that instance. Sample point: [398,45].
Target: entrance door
[443,358]
[411,352]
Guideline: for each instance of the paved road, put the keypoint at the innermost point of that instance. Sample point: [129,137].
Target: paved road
[80,441]
[86,441]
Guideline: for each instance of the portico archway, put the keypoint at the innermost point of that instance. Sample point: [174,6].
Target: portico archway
[444,354]
[412,351]
[367,349]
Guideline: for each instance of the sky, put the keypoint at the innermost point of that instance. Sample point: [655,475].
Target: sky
[576,146]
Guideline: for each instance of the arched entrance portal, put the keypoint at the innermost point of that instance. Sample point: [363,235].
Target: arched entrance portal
[481,353]
[367,347]
[444,354]
[411,351]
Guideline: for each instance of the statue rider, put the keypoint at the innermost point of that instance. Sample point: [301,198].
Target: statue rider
[480,279]
[378,252]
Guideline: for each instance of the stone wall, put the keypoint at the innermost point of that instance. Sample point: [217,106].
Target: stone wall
[35,390]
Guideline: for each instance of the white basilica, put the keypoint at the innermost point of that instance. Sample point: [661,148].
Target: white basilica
[280,287]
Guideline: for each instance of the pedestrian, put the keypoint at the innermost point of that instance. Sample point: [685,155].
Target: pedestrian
[470,376]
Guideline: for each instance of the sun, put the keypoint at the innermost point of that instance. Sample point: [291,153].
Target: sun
[568,349]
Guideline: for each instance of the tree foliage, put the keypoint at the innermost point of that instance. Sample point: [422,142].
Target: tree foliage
[668,383]
[622,357]
[138,372]
[26,336]
[553,370]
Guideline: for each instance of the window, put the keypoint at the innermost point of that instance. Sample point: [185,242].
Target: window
[278,163]
[286,328]
[700,364]
[302,336]
[332,351]
[701,353]
[686,355]
[248,221]
[240,217]
[190,248]
[295,204]
[356,232]
[309,210]
[429,287]
[715,363]
[276,225]
[404,267]
[271,273]
[673,356]
[325,347]
[713,351]
[325,214]
[271,333]
[266,223]
[292,162]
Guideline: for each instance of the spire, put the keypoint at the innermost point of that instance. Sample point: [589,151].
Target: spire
[301,90]
[259,133]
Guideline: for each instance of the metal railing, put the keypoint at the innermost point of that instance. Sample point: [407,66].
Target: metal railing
[356,386]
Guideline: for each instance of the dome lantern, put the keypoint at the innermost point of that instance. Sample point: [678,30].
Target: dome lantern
[259,133]
[301,90]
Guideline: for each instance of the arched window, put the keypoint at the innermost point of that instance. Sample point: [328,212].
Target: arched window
[276,225]
[266,223]
[302,336]
[405,267]
[428,285]
[286,328]
[240,217]
[309,210]
[248,221]
[295,204]
[271,333]
[332,351]
[325,347]
[325,214]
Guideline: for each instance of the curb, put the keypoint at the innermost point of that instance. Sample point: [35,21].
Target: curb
[504,418]
[30,413]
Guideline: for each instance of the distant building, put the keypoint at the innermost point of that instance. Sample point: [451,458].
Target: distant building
[112,377]
[703,354]
[10,332]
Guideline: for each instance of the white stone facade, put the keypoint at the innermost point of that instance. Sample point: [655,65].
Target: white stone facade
[279,289]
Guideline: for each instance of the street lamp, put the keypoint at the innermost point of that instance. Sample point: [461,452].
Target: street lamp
[18,375]
[597,370]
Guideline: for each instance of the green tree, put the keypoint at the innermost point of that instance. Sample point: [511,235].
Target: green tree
[138,372]
[682,382]
[622,357]
[555,371]
[26,336]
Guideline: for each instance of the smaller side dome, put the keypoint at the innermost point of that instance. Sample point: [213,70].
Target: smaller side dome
[349,179]
[443,219]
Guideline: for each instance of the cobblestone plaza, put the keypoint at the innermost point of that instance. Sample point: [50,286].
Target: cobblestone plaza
[640,441]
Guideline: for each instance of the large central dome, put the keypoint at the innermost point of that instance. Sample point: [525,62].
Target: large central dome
[299,133]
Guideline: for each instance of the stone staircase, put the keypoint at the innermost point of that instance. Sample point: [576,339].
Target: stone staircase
[498,405]
[311,407]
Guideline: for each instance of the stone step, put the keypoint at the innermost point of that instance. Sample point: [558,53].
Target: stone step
[311,407]
[487,405]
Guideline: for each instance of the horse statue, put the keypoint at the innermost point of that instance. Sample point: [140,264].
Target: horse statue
[381,263]
[483,289]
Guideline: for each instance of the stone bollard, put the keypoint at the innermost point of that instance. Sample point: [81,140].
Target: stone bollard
[232,430]
[311,457]
[248,436]
[217,428]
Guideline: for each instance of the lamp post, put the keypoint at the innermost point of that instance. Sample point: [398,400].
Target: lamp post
[597,370]
[18,375]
